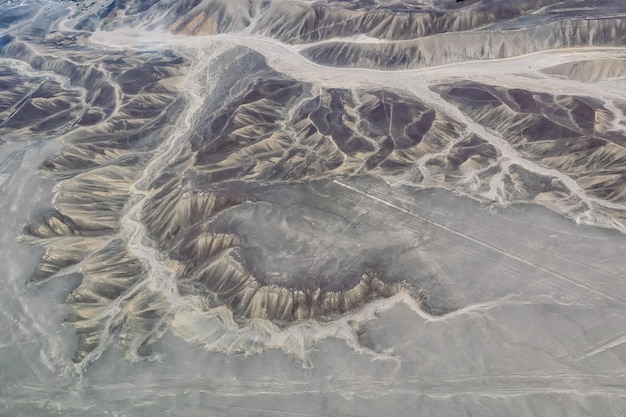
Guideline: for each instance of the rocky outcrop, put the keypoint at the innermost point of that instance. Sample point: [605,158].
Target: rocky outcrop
[476,45]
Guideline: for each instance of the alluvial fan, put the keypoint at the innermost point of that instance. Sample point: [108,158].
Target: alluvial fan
[185,171]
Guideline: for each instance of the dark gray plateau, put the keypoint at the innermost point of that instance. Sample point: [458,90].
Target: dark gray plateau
[315,208]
